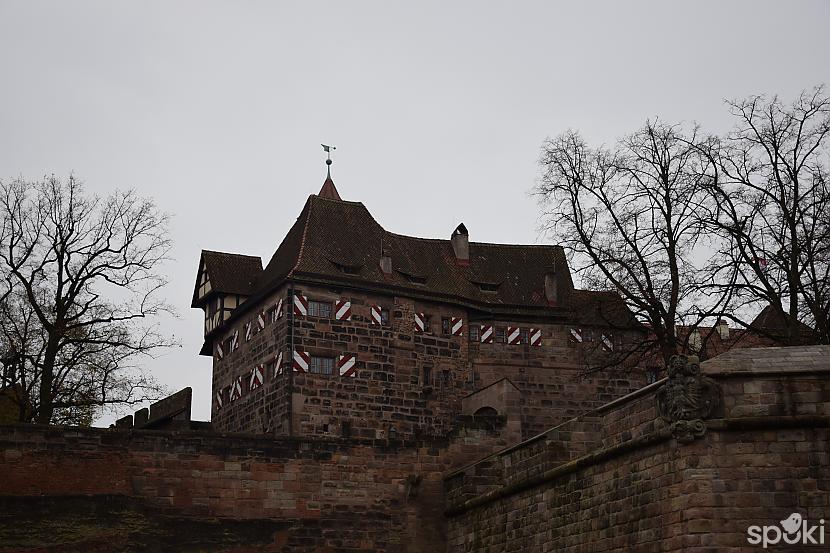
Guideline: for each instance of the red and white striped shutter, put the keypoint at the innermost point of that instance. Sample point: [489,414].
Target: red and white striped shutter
[300,305]
[235,340]
[514,335]
[487,334]
[607,344]
[260,319]
[248,331]
[576,335]
[236,389]
[277,311]
[278,366]
[220,351]
[347,365]
[257,374]
[535,336]
[457,326]
[343,310]
[419,322]
[301,360]
[220,399]
[374,312]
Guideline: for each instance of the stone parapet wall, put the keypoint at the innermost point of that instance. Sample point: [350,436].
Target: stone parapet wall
[366,495]
[617,479]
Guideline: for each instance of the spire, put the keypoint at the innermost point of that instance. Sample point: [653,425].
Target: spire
[328,190]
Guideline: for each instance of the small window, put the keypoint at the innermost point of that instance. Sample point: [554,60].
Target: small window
[321,365]
[445,325]
[346,429]
[384,316]
[474,333]
[524,336]
[427,380]
[501,335]
[427,326]
[445,378]
[652,375]
[319,309]
[227,345]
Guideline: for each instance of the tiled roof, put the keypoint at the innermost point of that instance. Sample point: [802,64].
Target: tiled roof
[774,322]
[339,243]
[230,273]
[601,309]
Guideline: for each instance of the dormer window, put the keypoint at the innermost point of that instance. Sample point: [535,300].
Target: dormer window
[487,285]
[414,278]
[347,267]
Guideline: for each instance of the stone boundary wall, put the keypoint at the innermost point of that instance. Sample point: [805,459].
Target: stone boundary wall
[320,494]
[617,479]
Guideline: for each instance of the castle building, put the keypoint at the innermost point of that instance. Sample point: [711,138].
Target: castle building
[353,330]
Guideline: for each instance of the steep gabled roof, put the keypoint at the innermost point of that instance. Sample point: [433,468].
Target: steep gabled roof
[772,321]
[229,273]
[340,242]
[601,308]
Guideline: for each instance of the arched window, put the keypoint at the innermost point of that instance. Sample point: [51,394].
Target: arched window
[486,412]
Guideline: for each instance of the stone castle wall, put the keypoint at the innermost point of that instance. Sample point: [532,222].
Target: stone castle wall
[303,494]
[617,479]
[392,390]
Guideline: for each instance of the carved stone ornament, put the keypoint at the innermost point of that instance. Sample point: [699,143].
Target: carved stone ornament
[687,398]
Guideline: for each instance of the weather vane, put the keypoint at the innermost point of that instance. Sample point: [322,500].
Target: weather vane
[328,149]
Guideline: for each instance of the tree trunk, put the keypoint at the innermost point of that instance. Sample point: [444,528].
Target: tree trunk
[44,411]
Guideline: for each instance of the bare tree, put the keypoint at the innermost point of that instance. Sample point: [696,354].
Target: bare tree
[628,217]
[81,301]
[770,210]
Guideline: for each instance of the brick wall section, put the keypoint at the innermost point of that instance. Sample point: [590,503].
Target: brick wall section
[616,479]
[558,380]
[338,494]
[266,409]
[389,390]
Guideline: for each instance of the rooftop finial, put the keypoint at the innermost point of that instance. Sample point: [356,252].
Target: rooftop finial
[328,190]
[328,149]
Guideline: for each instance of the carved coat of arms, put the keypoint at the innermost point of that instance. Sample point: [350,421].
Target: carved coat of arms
[687,398]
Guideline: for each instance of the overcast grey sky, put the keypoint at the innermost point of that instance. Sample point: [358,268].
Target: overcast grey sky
[437,109]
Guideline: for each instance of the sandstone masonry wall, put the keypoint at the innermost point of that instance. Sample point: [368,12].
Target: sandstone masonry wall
[316,494]
[616,479]
[407,382]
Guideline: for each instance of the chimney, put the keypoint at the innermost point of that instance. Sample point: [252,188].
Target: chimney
[385,261]
[723,329]
[461,244]
[695,341]
[551,287]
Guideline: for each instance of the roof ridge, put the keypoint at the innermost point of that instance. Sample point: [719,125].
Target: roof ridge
[233,254]
[303,238]
[352,202]
[448,240]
